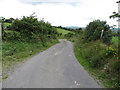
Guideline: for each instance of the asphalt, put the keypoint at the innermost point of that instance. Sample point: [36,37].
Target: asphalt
[55,67]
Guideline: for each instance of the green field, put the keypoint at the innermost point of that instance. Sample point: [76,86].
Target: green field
[6,24]
[63,31]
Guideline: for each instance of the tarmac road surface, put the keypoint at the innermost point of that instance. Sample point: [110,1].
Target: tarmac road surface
[55,67]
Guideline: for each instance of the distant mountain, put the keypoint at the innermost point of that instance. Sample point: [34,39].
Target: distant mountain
[73,27]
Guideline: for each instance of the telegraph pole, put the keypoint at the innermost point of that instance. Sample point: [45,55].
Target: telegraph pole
[0,53]
[101,34]
[0,30]
[0,38]
[119,14]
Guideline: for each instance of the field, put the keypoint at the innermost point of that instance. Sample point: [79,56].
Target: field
[63,31]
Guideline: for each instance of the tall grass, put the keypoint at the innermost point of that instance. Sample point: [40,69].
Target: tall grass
[101,60]
[115,42]
[15,52]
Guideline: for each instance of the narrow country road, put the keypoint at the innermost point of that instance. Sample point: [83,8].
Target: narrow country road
[55,67]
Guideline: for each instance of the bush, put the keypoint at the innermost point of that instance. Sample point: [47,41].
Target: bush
[29,28]
[97,61]
[94,53]
[94,29]
[11,36]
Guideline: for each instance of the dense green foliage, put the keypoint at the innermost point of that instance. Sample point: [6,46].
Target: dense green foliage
[6,25]
[11,36]
[69,35]
[99,55]
[101,60]
[23,38]
[94,31]
[29,28]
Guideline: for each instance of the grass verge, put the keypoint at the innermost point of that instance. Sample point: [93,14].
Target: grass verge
[100,60]
[17,52]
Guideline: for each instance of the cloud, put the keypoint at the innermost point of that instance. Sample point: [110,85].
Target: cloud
[61,12]
[13,8]
[36,2]
[49,1]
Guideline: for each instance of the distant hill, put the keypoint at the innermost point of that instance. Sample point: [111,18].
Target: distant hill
[116,29]
[74,27]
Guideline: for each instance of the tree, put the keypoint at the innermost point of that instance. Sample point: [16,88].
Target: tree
[10,20]
[115,15]
[94,29]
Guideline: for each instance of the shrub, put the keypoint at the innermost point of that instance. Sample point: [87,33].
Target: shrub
[29,28]
[11,35]
[98,60]
[94,29]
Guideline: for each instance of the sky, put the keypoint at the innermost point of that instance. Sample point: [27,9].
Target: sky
[61,12]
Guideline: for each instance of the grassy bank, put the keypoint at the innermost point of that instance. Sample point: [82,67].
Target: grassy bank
[16,52]
[23,38]
[100,60]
